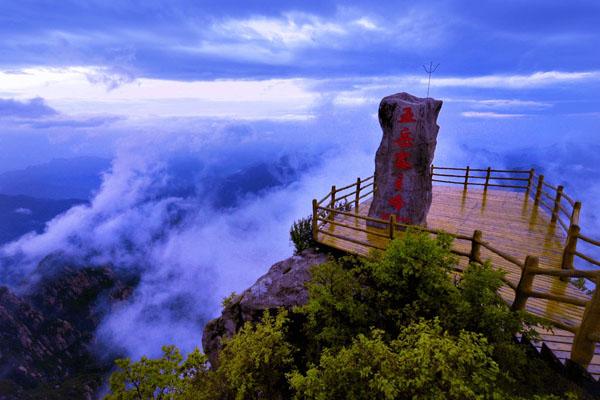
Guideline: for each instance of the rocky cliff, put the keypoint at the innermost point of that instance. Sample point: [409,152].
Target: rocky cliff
[46,332]
[281,286]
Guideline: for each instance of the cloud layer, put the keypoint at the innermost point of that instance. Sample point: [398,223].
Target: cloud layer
[156,219]
[197,40]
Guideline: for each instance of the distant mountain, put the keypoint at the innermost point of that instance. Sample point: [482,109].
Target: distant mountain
[22,214]
[256,179]
[63,178]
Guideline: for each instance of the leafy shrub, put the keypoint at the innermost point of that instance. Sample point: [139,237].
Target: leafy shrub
[365,370]
[411,280]
[227,301]
[253,363]
[423,363]
[343,205]
[301,234]
[482,309]
[335,312]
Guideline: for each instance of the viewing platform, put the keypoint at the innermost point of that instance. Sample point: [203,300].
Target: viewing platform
[515,219]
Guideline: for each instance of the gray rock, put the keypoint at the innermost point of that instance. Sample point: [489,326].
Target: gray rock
[282,286]
[404,157]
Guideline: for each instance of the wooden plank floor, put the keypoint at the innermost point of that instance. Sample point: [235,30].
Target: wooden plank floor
[510,223]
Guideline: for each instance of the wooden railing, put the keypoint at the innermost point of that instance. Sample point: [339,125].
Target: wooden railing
[484,177]
[562,208]
[345,201]
[561,205]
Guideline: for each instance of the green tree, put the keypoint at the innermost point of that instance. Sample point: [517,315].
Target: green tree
[162,378]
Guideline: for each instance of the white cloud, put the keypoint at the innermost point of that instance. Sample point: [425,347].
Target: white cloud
[242,52]
[367,24]
[500,103]
[71,91]
[278,40]
[293,29]
[91,90]
[352,100]
[509,103]
[490,114]
[536,79]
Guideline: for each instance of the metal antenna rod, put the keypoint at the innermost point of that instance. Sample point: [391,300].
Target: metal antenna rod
[430,71]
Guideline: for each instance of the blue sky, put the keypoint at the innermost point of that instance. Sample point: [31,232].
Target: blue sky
[87,71]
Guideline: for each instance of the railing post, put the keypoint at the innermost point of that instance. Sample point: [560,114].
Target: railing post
[556,204]
[538,191]
[357,198]
[584,342]
[431,171]
[530,181]
[315,219]
[332,204]
[475,255]
[466,178]
[487,178]
[570,247]
[525,283]
[392,226]
[575,214]
[568,255]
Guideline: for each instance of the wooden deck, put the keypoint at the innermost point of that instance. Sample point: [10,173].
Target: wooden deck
[511,223]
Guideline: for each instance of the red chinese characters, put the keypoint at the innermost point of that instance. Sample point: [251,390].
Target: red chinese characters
[396,202]
[407,116]
[402,162]
[405,139]
[399,182]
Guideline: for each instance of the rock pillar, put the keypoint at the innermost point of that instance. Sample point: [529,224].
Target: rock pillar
[404,157]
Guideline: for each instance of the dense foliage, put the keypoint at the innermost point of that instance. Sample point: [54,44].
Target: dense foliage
[425,362]
[399,325]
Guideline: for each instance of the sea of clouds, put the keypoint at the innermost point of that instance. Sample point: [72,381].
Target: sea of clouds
[158,216]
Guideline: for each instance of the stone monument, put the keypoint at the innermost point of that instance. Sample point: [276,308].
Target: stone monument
[404,157]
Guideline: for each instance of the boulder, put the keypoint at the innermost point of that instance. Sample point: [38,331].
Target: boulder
[282,286]
[404,157]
